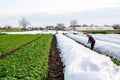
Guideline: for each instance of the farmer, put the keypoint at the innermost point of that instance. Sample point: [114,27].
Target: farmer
[91,40]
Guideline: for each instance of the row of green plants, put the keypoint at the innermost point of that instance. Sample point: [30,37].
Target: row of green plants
[29,63]
[9,42]
[11,30]
[103,31]
[117,62]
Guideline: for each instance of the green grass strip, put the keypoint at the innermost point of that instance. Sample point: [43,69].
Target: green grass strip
[10,42]
[29,63]
[12,30]
[116,61]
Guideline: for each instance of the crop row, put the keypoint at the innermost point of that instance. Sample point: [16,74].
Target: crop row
[10,42]
[28,63]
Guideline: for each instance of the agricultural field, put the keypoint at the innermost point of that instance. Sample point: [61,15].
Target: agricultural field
[28,63]
[81,63]
[64,56]
[12,30]
[101,46]
[11,42]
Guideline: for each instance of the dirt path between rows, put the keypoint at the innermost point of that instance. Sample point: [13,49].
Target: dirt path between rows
[55,64]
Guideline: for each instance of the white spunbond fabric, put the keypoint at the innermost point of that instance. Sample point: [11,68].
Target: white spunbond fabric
[115,36]
[32,32]
[84,64]
[107,39]
[103,47]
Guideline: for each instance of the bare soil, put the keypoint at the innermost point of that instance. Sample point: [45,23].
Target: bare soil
[55,64]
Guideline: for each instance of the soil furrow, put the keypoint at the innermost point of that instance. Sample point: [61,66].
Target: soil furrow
[55,64]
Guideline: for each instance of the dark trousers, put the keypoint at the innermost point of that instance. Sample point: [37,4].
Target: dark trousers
[92,45]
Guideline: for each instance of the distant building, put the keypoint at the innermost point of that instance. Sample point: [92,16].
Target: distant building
[84,25]
[50,27]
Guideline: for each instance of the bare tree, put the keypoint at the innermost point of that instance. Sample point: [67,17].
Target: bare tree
[116,26]
[92,25]
[73,23]
[60,26]
[24,23]
[6,27]
[85,25]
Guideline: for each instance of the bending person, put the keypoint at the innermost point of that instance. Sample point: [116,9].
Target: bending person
[91,40]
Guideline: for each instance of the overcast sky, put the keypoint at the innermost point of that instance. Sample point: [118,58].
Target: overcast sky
[51,12]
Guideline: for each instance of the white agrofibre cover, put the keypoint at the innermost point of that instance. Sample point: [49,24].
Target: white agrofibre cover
[106,48]
[83,64]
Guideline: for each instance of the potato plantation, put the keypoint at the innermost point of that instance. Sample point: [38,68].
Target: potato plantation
[28,63]
[63,56]
[10,42]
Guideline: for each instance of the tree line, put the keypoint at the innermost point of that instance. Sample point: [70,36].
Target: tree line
[24,23]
